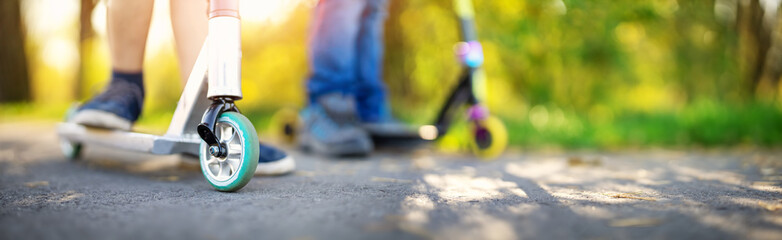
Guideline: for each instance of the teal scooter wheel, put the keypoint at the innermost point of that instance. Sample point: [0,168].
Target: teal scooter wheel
[71,150]
[234,170]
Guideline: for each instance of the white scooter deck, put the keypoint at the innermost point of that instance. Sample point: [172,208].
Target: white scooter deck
[132,141]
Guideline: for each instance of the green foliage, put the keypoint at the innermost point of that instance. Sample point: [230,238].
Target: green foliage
[662,53]
[570,73]
[587,73]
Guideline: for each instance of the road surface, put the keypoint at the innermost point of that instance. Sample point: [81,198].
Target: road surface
[393,194]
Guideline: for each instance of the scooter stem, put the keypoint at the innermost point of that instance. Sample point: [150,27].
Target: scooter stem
[225,69]
[224,53]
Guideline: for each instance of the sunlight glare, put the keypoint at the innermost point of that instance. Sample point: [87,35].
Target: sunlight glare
[272,11]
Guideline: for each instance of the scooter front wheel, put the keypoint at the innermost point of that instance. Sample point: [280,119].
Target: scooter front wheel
[489,138]
[235,169]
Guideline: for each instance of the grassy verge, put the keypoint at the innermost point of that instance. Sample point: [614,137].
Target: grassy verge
[698,125]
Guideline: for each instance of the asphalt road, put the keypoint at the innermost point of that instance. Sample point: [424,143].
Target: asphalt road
[394,194]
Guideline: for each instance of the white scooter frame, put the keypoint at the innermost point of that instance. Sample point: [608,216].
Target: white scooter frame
[198,127]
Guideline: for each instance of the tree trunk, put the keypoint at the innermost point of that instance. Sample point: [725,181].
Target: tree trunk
[753,40]
[14,78]
[760,49]
[772,68]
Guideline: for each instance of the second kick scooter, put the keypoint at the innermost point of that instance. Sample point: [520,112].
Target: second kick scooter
[489,137]
[206,122]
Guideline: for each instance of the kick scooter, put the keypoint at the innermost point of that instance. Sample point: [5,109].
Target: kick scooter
[489,137]
[206,122]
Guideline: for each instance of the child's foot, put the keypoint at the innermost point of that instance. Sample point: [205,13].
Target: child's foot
[331,128]
[273,161]
[117,107]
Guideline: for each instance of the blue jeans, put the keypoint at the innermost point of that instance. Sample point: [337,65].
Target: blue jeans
[346,54]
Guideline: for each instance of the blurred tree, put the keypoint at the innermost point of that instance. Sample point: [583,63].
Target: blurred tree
[15,80]
[760,47]
[420,67]
[704,55]
[772,68]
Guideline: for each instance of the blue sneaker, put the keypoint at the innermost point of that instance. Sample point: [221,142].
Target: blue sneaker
[117,107]
[331,127]
[273,161]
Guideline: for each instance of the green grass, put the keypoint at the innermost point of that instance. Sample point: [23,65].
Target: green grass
[15,112]
[698,125]
[705,124]
[151,121]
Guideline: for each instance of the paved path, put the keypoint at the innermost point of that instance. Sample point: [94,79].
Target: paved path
[420,195]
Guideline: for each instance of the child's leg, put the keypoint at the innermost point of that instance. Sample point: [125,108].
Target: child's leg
[189,21]
[121,101]
[329,120]
[128,25]
[332,47]
[371,93]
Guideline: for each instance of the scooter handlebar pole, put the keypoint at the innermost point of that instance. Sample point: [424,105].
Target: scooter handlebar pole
[466,15]
[225,50]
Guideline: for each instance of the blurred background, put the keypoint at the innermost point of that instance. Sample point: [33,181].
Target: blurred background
[562,74]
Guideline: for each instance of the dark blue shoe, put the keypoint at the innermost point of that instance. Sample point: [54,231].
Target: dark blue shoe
[273,161]
[117,107]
